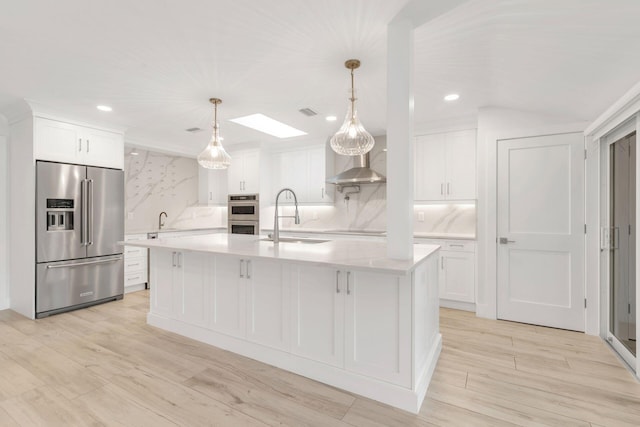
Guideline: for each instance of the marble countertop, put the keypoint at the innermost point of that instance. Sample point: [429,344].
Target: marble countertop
[335,253]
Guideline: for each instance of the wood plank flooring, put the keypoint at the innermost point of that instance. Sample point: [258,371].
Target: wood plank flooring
[105,366]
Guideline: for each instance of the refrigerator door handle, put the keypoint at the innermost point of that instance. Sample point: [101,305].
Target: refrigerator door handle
[79,264]
[90,213]
[83,212]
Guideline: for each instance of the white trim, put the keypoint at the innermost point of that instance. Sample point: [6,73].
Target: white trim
[458,305]
[400,397]
[620,111]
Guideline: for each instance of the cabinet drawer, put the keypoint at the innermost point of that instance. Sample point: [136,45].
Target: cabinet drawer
[134,251]
[459,245]
[136,264]
[135,278]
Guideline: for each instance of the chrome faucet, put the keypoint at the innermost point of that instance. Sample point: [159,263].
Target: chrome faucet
[276,229]
[160,223]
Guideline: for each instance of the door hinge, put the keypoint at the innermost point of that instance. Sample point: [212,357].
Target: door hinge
[585,303]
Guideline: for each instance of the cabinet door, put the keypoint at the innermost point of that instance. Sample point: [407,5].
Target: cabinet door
[228,296]
[318,191]
[267,303]
[58,141]
[457,276]
[212,187]
[251,172]
[429,167]
[290,171]
[317,315]
[163,272]
[378,326]
[235,173]
[103,148]
[193,287]
[461,165]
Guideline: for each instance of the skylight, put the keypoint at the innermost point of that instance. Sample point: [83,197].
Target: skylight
[265,124]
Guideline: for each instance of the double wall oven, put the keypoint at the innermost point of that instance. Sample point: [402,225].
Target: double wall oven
[244,214]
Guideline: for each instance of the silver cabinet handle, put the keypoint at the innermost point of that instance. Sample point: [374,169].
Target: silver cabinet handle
[179,259]
[505,240]
[323,192]
[442,189]
[241,264]
[80,264]
[88,145]
[173,259]
[79,144]
[441,263]
[248,267]
[448,187]
[337,281]
[348,289]
[456,246]
[83,212]
[210,195]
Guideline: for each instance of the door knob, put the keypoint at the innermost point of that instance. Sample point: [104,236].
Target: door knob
[504,241]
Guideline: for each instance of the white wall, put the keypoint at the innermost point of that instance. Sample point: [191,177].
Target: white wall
[4,264]
[495,124]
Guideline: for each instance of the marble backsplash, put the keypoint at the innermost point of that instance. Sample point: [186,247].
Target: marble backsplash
[156,182]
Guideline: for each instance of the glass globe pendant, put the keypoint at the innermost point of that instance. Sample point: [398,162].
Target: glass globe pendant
[214,155]
[352,139]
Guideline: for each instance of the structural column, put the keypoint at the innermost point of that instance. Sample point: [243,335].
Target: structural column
[400,139]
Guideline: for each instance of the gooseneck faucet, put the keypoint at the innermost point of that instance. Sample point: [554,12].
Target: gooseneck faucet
[276,229]
[160,223]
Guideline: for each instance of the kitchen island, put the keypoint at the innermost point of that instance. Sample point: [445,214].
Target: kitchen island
[339,312]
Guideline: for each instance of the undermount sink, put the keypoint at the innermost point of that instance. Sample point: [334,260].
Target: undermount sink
[295,240]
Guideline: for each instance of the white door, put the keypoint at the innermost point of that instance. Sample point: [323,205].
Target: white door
[461,165]
[228,296]
[57,141]
[103,148]
[541,231]
[457,276]
[429,167]
[163,276]
[194,287]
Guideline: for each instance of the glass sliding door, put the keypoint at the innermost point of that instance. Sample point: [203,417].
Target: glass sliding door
[622,193]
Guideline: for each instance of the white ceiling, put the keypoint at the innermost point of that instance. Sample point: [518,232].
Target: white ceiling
[158,62]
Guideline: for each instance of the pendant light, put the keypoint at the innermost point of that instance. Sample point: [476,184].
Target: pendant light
[352,139]
[214,155]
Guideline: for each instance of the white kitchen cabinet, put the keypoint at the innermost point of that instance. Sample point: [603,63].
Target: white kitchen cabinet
[457,278]
[267,303]
[244,172]
[304,170]
[228,306]
[69,143]
[317,315]
[212,187]
[135,264]
[181,282]
[378,326]
[445,166]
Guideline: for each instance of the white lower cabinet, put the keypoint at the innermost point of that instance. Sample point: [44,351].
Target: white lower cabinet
[227,298]
[317,315]
[353,319]
[181,284]
[135,265]
[378,326]
[457,276]
[267,303]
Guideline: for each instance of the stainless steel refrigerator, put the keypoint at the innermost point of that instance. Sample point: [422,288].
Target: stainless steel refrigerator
[79,220]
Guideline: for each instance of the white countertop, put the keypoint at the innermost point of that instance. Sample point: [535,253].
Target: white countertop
[337,253]
[374,233]
[169,230]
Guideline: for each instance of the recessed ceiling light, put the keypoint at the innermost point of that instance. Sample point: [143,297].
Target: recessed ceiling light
[265,124]
[104,108]
[452,97]
[331,118]
[134,152]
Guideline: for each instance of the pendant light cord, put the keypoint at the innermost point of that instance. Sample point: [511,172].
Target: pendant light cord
[353,96]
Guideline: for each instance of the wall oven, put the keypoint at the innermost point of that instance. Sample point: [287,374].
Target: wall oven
[244,214]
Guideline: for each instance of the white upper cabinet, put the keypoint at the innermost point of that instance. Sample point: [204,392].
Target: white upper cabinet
[304,170]
[212,186]
[244,172]
[445,166]
[64,142]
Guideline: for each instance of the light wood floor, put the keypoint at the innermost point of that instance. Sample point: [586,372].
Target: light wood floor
[105,366]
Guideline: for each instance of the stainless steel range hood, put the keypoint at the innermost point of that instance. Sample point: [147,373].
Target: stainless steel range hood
[360,174]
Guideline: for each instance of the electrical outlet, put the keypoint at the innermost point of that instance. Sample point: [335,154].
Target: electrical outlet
[421,216]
